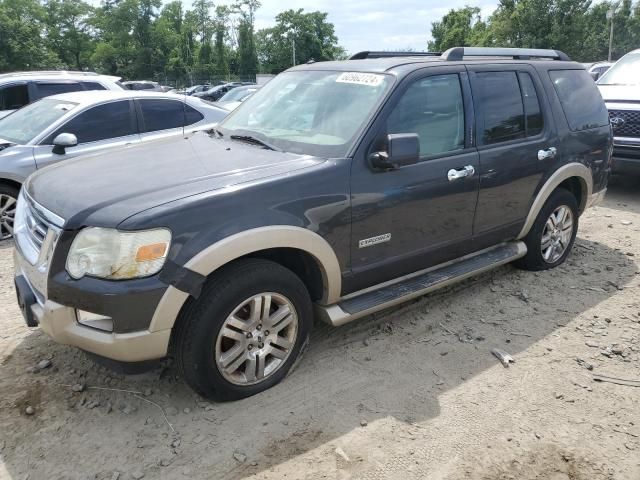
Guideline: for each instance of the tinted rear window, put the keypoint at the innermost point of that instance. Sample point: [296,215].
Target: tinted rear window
[191,115]
[13,97]
[93,86]
[580,98]
[502,117]
[161,114]
[47,89]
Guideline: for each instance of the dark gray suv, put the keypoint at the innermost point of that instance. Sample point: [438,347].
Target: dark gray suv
[337,190]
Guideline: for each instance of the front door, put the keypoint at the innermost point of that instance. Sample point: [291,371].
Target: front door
[98,128]
[418,215]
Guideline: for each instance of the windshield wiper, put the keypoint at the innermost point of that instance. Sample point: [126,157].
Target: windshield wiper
[254,140]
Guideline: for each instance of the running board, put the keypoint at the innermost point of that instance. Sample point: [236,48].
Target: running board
[411,286]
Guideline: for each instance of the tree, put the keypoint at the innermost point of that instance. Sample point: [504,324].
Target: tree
[22,47]
[458,28]
[577,27]
[220,27]
[68,31]
[313,36]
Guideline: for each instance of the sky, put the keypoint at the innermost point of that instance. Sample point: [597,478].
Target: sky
[374,24]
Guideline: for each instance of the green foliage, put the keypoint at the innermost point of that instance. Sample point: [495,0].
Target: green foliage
[144,39]
[458,28]
[314,39]
[577,27]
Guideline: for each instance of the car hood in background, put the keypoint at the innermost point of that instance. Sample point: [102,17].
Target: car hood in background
[4,113]
[620,93]
[106,189]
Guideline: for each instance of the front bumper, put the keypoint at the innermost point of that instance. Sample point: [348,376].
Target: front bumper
[61,324]
[626,156]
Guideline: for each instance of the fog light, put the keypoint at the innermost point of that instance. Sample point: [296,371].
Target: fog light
[93,320]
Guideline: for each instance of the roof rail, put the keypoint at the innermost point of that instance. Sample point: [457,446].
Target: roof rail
[46,72]
[458,53]
[371,54]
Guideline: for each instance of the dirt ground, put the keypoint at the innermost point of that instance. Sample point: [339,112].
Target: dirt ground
[411,393]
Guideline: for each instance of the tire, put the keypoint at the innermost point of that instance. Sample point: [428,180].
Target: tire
[8,199]
[208,356]
[539,258]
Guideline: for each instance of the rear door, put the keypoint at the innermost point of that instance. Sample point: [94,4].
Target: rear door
[516,141]
[97,128]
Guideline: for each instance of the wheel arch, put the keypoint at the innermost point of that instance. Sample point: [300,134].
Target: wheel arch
[311,257]
[575,177]
[11,183]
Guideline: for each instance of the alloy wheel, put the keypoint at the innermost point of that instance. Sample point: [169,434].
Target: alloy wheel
[7,215]
[256,338]
[557,234]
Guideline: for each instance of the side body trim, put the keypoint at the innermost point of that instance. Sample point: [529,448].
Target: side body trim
[563,173]
[245,243]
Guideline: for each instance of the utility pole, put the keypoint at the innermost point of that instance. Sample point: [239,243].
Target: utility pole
[610,14]
[293,50]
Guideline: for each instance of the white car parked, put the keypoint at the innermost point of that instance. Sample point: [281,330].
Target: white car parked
[18,89]
[65,126]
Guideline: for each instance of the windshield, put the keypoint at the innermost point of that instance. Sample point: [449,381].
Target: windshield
[25,124]
[237,94]
[626,71]
[310,112]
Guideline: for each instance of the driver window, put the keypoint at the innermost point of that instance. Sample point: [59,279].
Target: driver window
[433,108]
[103,122]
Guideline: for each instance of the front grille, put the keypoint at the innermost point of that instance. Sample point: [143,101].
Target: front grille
[37,227]
[625,123]
[36,231]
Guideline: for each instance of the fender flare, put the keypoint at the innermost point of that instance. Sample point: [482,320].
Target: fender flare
[565,172]
[243,243]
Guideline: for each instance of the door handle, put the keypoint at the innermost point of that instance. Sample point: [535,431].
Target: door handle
[454,174]
[549,153]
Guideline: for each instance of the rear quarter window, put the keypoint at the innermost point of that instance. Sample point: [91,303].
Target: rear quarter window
[580,98]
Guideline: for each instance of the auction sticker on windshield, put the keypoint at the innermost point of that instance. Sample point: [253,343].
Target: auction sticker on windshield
[359,78]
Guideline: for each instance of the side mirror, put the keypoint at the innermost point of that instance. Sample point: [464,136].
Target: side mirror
[595,75]
[62,141]
[402,149]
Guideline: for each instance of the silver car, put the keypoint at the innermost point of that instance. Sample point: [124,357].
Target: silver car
[65,126]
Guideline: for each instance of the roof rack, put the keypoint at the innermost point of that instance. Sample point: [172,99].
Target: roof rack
[46,72]
[371,54]
[458,53]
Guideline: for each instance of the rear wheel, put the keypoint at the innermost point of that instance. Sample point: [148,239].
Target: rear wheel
[8,200]
[553,233]
[245,331]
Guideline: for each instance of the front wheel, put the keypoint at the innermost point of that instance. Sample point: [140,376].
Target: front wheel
[245,331]
[8,200]
[553,233]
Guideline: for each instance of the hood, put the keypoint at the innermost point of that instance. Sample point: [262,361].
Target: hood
[4,113]
[620,93]
[105,189]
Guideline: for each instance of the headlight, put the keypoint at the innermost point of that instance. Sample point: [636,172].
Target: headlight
[116,255]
